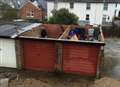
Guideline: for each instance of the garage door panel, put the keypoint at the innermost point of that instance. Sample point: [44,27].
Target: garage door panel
[39,55]
[79,59]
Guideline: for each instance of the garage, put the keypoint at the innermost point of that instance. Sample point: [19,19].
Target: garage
[7,53]
[7,46]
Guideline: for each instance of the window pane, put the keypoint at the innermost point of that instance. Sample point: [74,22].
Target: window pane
[105,6]
[88,6]
[104,18]
[87,17]
[71,5]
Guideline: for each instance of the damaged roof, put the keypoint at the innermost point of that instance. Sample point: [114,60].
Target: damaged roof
[13,29]
[89,1]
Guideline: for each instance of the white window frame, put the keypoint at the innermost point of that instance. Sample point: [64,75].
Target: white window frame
[30,14]
[105,7]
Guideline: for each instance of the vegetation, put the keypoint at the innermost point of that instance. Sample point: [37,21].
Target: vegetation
[7,12]
[63,16]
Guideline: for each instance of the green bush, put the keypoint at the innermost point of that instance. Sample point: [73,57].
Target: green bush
[63,16]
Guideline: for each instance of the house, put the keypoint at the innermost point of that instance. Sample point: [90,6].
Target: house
[31,9]
[94,11]
[9,45]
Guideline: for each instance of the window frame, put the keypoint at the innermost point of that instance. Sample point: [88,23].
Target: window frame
[71,5]
[88,6]
[87,17]
[30,14]
[105,6]
[104,18]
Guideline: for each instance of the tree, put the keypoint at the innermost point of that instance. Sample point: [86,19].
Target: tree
[63,16]
[7,12]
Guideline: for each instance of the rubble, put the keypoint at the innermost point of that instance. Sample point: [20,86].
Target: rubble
[106,82]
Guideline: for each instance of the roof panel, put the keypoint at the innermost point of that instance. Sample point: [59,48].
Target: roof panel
[7,30]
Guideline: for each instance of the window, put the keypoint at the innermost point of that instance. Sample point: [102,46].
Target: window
[30,14]
[116,5]
[88,6]
[104,18]
[87,17]
[71,5]
[105,6]
[55,4]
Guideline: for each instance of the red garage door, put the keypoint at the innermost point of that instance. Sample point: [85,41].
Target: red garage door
[39,55]
[80,59]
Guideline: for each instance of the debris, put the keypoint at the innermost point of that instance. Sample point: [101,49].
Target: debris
[74,38]
[106,82]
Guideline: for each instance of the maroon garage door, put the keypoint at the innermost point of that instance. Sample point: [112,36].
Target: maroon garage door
[39,55]
[80,59]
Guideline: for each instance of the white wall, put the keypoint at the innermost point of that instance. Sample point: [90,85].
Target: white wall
[96,12]
[118,9]
[110,12]
[50,6]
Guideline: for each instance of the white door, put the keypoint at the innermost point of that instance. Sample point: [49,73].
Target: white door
[7,53]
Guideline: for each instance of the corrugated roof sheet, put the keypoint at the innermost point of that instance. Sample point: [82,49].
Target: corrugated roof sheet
[7,30]
[21,24]
[26,28]
[11,29]
[89,1]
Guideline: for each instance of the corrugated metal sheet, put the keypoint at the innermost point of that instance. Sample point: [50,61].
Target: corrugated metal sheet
[80,59]
[12,28]
[7,53]
[39,55]
[7,30]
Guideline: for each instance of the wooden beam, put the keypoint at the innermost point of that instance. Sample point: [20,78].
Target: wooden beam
[101,35]
[65,34]
[58,63]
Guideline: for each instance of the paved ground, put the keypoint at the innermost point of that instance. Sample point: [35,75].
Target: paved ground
[111,65]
